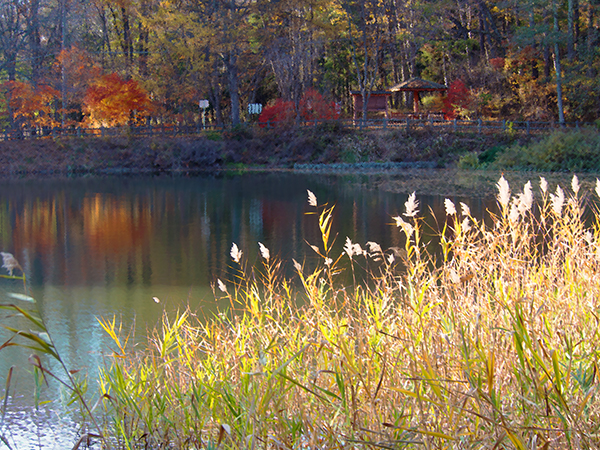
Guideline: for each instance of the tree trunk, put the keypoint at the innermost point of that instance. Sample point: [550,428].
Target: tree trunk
[33,34]
[591,41]
[234,88]
[571,30]
[559,100]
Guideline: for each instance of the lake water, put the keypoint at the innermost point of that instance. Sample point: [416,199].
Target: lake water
[106,247]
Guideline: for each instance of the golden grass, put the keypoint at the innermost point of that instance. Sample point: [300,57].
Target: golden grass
[491,343]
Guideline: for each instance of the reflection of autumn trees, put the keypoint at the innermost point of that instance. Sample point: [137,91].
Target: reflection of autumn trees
[36,227]
[179,232]
[114,226]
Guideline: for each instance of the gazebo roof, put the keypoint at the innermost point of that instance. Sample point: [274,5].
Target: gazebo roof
[418,84]
[372,93]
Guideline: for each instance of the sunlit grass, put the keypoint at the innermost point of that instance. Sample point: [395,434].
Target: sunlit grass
[490,342]
[493,343]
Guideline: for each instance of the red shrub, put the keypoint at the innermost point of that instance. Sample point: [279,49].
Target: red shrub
[457,100]
[497,63]
[278,113]
[312,107]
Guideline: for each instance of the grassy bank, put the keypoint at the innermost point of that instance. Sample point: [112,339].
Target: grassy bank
[243,147]
[560,151]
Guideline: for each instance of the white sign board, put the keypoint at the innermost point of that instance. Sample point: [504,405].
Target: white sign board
[254,108]
[203,104]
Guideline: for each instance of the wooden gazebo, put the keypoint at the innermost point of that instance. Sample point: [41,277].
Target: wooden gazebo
[377,102]
[416,86]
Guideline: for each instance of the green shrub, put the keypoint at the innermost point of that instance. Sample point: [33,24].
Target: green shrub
[573,151]
[469,161]
[213,135]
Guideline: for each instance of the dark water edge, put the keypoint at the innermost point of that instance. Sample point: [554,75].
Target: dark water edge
[98,247]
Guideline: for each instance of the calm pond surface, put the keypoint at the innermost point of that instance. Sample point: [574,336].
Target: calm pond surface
[105,247]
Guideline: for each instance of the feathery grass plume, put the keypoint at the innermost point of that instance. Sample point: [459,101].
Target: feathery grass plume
[575,185]
[407,228]
[10,263]
[375,251]
[412,205]
[466,224]
[514,214]
[221,286]
[312,198]
[465,210]
[450,208]
[264,251]
[527,196]
[558,201]
[503,192]
[522,203]
[236,253]
[374,247]
[352,249]
[543,185]
[297,265]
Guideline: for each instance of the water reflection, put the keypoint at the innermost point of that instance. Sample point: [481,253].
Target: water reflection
[98,247]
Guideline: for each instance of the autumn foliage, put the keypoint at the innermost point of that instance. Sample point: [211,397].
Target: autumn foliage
[278,113]
[78,70]
[111,101]
[29,105]
[312,106]
[458,100]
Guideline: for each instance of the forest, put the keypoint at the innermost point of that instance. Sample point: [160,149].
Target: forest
[117,62]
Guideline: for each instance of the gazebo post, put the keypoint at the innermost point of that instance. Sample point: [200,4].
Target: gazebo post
[416,86]
[416,101]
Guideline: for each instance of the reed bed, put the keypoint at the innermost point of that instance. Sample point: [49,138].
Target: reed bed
[492,342]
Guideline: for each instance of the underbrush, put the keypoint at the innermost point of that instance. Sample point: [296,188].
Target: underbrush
[572,151]
[492,342]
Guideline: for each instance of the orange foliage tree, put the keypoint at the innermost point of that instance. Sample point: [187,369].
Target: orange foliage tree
[111,101]
[30,106]
[75,71]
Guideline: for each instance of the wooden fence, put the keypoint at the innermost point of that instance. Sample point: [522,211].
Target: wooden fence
[423,123]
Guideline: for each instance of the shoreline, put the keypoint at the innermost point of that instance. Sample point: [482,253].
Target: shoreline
[287,149]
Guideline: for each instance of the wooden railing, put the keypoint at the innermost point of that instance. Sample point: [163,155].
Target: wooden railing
[432,123]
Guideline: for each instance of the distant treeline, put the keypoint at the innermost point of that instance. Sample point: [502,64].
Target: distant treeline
[99,62]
